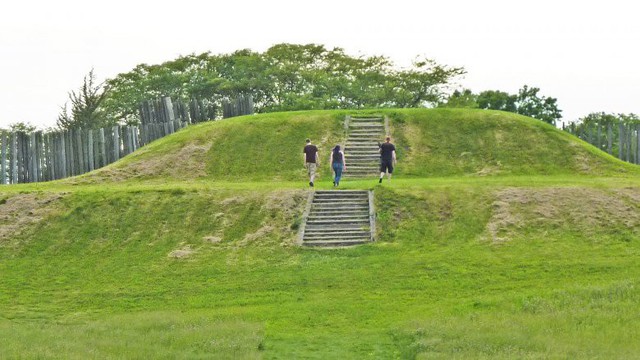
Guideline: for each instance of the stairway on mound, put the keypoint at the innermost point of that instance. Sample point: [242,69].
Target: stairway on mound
[339,218]
[361,148]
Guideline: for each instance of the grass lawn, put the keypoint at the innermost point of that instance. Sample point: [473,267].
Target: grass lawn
[509,264]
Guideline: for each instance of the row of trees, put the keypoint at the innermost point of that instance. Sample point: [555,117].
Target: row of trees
[285,77]
[526,102]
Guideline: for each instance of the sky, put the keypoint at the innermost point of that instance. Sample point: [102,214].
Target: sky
[584,54]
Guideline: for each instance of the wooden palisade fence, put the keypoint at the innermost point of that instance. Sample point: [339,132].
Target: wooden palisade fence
[617,138]
[39,156]
[49,156]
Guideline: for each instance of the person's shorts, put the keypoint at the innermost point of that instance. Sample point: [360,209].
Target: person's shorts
[386,165]
[311,168]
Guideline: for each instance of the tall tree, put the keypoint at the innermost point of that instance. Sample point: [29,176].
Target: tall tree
[525,102]
[461,99]
[497,100]
[285,77]
[85,109]
[543,108]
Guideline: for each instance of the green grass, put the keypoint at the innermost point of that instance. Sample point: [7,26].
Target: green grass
[527,262]
[430,143]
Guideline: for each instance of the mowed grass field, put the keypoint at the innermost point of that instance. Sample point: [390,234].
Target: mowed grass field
[499,237]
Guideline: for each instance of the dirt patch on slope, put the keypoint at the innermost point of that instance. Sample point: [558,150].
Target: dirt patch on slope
[183,252]
[18,212]
[189,162]
[581,210]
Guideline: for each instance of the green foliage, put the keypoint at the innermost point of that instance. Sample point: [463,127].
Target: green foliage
[464,99]
[497,100]
[86,107]
[25,127]
[285,77]
[527,102]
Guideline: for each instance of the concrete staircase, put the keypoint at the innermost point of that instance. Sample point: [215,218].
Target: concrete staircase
[361,148]
[338,218]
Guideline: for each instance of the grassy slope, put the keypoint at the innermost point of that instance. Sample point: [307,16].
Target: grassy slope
[431,143]
[465,266]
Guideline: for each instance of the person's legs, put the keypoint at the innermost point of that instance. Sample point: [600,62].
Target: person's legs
[312,172]
[389,170]
[337,167]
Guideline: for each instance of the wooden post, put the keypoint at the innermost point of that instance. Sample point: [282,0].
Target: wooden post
[3,166]
[638,144]
[136,139]
[33,170]
[71,164]
[620,139]
[629,134]
[51,168]
[103,148]
[116,143]
[609,138]
[129,138]
[39,156]
[23,143]
[168,109]
[14,158]
[90,150]
[63,155]
[80,151]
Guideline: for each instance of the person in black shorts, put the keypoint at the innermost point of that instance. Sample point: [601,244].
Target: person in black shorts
[387,158]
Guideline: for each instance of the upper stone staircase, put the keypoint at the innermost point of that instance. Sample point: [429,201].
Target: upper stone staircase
[361,149]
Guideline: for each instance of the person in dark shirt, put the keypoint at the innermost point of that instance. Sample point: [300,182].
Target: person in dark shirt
[338,164]
[311,162]
[387,158]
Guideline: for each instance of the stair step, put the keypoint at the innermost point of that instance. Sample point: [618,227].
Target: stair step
[340,194]
[329,235]
[352,168]
[344,239]
[354,203]
[338,221]
[341,201]
[329,230]
[339,217]
[337,228]
[335,243]
[360,213]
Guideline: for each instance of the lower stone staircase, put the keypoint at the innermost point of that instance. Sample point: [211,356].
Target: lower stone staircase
[339,218]
[361,148]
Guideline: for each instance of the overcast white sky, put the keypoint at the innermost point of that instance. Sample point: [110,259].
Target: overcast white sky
[584,54]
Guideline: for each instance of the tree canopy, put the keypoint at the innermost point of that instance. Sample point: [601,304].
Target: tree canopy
[86,111]
[284,77]
[525,102]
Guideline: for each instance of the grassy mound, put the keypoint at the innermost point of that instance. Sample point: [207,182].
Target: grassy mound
[430,142]
[486,249]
